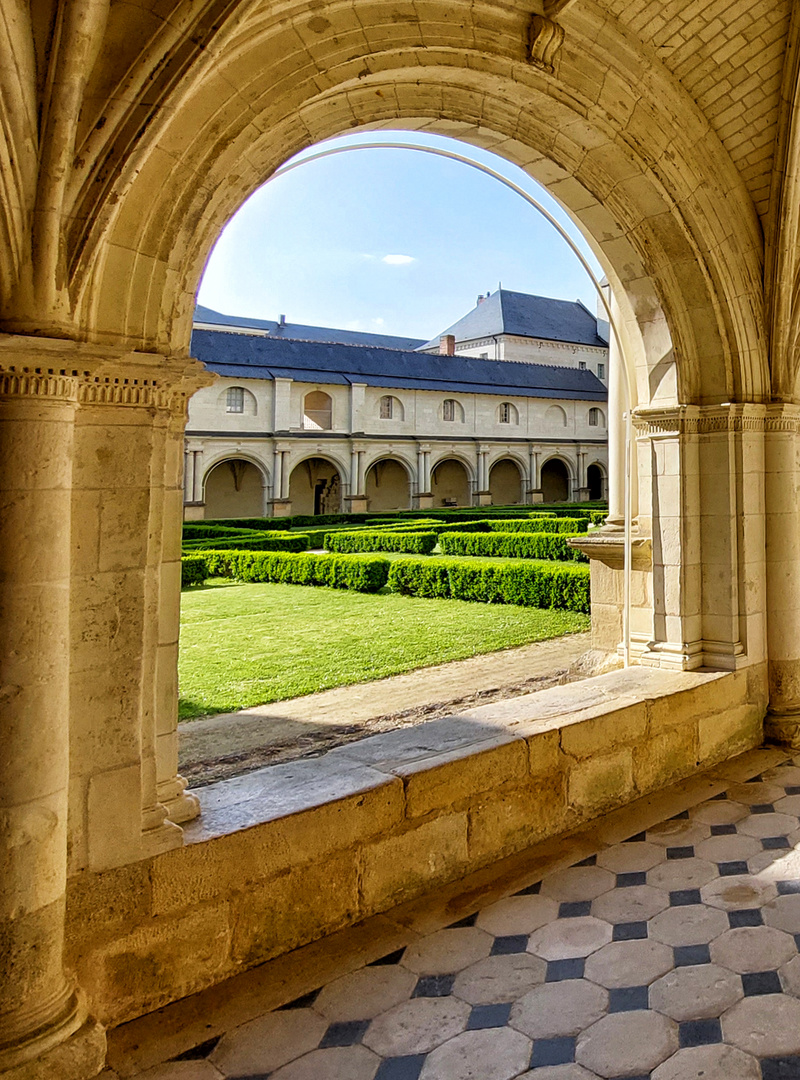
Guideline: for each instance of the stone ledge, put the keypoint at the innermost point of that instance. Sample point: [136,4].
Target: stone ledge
[292,853]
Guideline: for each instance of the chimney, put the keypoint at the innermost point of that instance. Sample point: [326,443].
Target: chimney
[283,320]
[480,299]
[447,345]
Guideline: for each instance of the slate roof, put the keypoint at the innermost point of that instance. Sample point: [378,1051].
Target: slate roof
[300,332]
[248,356]
[522,315]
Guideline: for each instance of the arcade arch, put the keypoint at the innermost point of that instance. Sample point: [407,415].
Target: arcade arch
[315,487]
[596,481]
[450,483]
[505,482]
[555,481]
[234,487]
[388,485]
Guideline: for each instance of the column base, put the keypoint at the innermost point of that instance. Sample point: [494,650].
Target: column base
[183,806]
[194,511]
[81,1056]
[783,727]
[536,495]
[356,504]
[423,501]
[280,507]
[483,498]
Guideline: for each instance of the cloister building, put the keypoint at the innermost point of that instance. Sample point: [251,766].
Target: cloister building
[131,133]
[300,423]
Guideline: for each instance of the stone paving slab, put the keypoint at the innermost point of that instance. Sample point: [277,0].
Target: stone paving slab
[556,980]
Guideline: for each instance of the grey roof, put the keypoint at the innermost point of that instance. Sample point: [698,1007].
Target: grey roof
[248,356]
[299,332]
[505,312]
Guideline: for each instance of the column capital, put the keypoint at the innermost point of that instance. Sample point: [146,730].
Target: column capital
[674,420]
[73,372]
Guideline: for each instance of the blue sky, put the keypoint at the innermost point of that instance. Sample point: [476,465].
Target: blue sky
[386,240]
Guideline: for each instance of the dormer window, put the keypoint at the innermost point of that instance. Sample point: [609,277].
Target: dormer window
[235,399]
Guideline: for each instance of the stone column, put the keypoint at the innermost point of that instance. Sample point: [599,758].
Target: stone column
[536,495]
[280,505]
[354,487]
[616,438]
[483,495]
[782,478]
[357,499]
[423,499]
[44,1031]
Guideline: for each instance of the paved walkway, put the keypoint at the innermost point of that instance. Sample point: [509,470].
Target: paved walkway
[667,951]
[230,743]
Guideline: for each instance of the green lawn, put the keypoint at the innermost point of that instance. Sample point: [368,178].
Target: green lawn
[244,645]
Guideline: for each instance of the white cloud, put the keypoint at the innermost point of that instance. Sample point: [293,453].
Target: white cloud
[398,260]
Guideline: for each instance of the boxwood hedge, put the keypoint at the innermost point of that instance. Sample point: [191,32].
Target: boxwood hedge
[362,573]
[512,545]
[417,543]
[251,541]
[193,570]
[547,525]
[527,583]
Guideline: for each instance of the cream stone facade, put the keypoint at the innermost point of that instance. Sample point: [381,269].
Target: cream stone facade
[259,443]
[131,134]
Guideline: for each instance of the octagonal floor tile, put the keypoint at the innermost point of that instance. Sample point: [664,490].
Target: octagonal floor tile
[335,1063]
[761,825]
[487,1054]
[517,915]
[578,883]
[726,812]
[737,892]
[500,978]
[630,858]
[633,904]
[695,924]
[417,1026]
[790,977]
[269,1041]
[678,833]
[629,963]
[709,1063]
[682,874]
[783,913]
[559,1008]
[565,938]
[697,992]
[447,951]
[572,1071]
[764,1026]
[719,849]
[627,1043]
[756,794]
[362,994]
[753,948]
[788,804]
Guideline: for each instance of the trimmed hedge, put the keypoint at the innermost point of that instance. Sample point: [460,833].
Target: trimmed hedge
[417,543]
[542,525]
[193,570]
[512,545]
[252,541]
[362,573]
[529,584]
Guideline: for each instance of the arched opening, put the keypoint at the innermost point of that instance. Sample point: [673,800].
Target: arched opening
[234,488]
[555,417]
[390,408]
[596,417]
[505,483]
[387,486]
[238,400]
[315,487]
[555,481]
[450,484]
[317,411]
[594,482]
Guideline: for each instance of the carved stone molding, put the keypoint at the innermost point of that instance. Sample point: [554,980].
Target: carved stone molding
[545,39]
[709,419]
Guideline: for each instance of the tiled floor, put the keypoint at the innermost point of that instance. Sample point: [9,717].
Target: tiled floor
[672,955]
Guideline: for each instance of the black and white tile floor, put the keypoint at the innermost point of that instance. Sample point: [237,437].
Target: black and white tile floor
[671,956]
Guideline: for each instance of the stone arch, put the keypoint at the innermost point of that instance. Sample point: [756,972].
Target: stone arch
[556,416]
[316,485]
[506,480]
[249,404]
[317,411]
[390,407]
[596,481]
[451,481]
[556,479]
[234,486]
[596,417]
[669,255]
[388,484]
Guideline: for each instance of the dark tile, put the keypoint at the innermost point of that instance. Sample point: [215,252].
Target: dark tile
[390,958]
[468,920]
[590,860]
[745,917]
[680,852]
[762,808]
[530,890]
[729,869]
[699,1032]
[755,779]
[684,897]
[761,982]
[783,1068]
[509,943]
[560,1051]
[304,1002]
[792,789]
[558,970]
[628,999]
[574,909]
[199,1052]
[434,986]
[639,838]
[627,881]
[719,798]
[797,942]
[775,843]
[689,955]
[344,1033]
[785,888]
[629,931]
[682,816]
[401,1068]
[489,1016]
[723,830]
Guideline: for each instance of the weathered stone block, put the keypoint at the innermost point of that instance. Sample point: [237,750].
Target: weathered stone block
[437,783]
[621,727]
[728,732]
[601,782]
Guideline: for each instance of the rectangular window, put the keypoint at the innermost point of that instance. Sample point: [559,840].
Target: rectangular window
[236,399]
[449,410]
[505,413]
[581,365]
[601,371]
[386,408]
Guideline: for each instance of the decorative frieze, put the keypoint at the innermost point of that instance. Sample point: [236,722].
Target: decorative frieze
[545,39]
[709,419]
